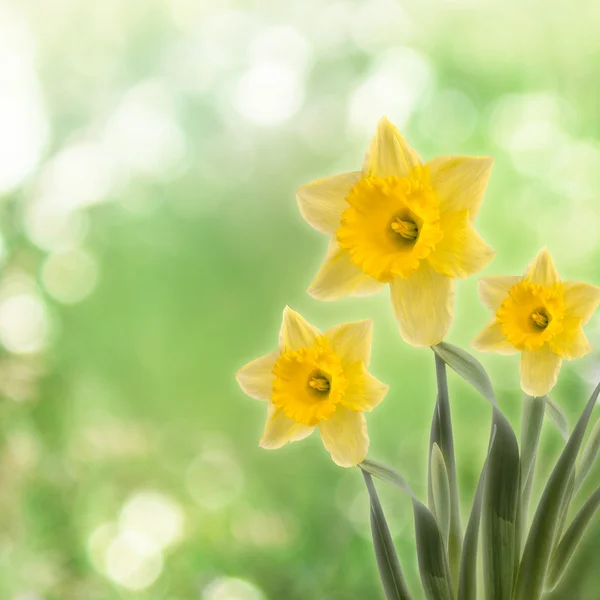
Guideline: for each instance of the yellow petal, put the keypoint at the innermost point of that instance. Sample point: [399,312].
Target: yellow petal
[296,332]
[571,342]
[539,370]
[423,305]
[389,154]
[322,202]
[494,290]
[581,299]
[459,182]
[280,430]
[345,436]
[364,392]
[352,341]
[462,251]
[542,270]
[492,339]
[338,277]
[256,378]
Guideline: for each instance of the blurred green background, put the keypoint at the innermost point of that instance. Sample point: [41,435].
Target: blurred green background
[149,155]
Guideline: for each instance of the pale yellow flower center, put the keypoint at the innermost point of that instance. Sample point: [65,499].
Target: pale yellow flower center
[309,383]
[390,226]
[532,314]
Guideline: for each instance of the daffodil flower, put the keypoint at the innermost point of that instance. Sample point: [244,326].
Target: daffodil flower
[540,316]
[404,223]
[317,380]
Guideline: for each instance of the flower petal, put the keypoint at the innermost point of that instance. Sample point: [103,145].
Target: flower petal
[542,269]
[364,391]
[462,251]
[494,290]
[460,181]
[539,370]
[256,378]
[322,202]
[339,277]
[571,342]
[352,341]
[389,154]
[492,339]
[296,332]
[423,305]
[280,430]
[345,436]
[581,299]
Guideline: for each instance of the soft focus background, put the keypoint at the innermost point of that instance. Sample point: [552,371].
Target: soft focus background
[149,154]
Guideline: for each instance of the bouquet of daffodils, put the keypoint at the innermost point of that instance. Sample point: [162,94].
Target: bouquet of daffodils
[409,224]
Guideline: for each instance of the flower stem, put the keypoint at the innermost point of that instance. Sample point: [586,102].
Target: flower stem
[441,434]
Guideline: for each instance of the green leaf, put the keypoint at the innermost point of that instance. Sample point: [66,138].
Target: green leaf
[433,564]
[441,492]
[557,416]
[468,367]
[536,556]
[467,580]
[500,502]
[441,434]
[569,542]
[531,427]
[387,474]
[433,561]
[590,453]
[390,571]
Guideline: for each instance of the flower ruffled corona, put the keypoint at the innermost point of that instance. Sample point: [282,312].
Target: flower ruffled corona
[317,380]
[404,223]
[539,316]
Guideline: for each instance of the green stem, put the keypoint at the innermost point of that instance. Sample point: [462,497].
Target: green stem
[441,433]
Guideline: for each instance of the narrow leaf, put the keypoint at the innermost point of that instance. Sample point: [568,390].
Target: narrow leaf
[467,581]
[390,571]
[531,427]
[590,453]
[569,542]
[387,474]
[500,502]
[468,367]
[441,492]
[433,562]
[534,565]
[444,438]
[557,416]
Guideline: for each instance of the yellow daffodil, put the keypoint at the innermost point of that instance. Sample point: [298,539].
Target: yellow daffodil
[402,222]
[317,380]
[540,316]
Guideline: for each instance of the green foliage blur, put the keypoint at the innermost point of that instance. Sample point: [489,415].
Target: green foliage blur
[149,155]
